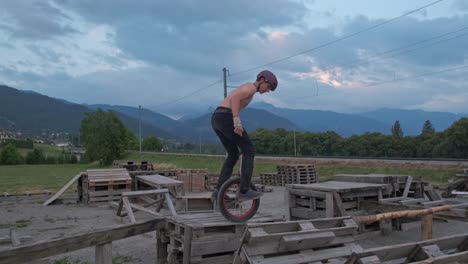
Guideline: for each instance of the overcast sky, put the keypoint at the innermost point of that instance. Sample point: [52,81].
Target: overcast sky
[338,55]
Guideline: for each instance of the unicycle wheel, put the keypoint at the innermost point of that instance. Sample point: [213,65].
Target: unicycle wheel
[230,207]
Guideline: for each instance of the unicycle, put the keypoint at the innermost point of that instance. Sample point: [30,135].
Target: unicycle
[233,209]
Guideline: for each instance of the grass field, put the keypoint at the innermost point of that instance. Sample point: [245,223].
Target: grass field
[21,178]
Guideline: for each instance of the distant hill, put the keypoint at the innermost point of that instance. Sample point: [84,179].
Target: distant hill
[32,113]
[412,121]
[147,116]
[321,121]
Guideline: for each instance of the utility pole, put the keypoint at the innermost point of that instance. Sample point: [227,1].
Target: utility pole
[225,81]
[139,125]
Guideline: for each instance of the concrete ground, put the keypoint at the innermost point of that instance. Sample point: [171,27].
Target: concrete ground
[57,221]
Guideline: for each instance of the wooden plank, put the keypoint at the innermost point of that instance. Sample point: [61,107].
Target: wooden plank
[329,211]
[126,203]
[170,204]
[14,238]
[338,203]
[54,247]
[103,254]
[187,245]
[148,192]
[62,190]
[409,180]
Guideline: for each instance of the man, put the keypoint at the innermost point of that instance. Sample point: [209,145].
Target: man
[228,126]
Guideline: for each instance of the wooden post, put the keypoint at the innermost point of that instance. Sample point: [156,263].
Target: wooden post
[104,254]
[329,210]
[426,227]
[161,248]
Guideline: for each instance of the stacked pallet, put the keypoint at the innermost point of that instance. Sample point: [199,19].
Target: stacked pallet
[211,180]
[271,178]
[103,185]
[133,165]
[298,174]
[202,238]
[298,241]
[194,179]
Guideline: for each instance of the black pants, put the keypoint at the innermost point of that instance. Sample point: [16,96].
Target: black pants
[223,126]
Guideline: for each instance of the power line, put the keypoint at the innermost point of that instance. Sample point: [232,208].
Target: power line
[192,93]
[352,64]
[416,76]
[336,40]
[403,79]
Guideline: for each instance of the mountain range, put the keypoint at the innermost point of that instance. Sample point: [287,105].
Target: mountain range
[33,114]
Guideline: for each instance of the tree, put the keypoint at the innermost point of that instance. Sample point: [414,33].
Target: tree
[35,157]
[10,155]
[151,143]
[427,130]
[455,143]
[104,136]
[396,130]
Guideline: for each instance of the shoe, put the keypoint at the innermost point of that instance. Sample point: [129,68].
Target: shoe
[249,195]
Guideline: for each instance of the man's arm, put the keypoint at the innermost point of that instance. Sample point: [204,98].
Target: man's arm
[241,93]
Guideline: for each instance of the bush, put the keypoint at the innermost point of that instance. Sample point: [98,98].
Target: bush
[10,156]
[35,157]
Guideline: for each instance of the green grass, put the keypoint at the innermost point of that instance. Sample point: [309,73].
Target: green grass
[436,176]
[20,178]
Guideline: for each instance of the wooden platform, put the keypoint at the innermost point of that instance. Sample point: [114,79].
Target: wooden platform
[329,199]
[176,188]
[203,238]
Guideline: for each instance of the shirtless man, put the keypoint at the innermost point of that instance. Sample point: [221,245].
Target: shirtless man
[227,125]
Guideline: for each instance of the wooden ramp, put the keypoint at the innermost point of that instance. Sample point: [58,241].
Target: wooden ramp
[64,188]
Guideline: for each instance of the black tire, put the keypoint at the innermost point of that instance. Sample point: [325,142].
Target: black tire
[223,201]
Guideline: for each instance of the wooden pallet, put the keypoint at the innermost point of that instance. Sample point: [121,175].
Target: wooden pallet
[297,174]
[133,165]
[104,185]
[329,199]
[287,242]
[194,179]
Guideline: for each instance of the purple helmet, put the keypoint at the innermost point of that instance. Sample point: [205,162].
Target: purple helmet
[269,77]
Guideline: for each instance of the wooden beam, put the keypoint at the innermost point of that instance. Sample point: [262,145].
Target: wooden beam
[126,203]
[63,245]
[140,193]
[409,180]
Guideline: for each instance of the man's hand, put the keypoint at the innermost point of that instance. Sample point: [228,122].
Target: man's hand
[239,130]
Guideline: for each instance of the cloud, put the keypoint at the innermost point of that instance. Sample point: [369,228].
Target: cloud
[96,51]
[34,19]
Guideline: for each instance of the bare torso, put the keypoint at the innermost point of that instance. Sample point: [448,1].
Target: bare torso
[243,93]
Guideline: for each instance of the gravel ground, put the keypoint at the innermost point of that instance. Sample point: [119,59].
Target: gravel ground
[57,221]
